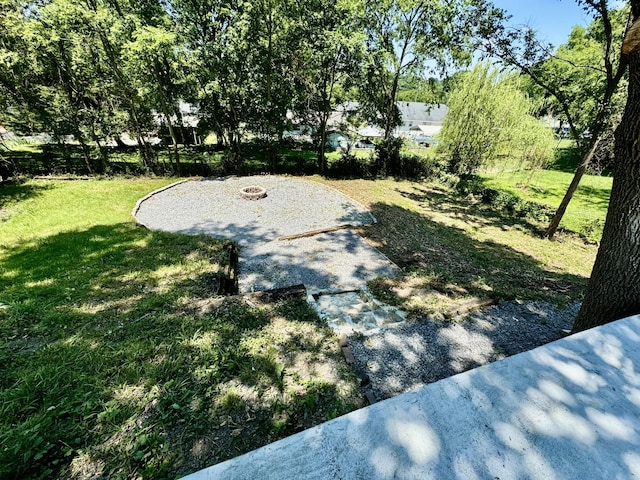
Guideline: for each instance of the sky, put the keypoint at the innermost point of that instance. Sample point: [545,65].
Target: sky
[553,19]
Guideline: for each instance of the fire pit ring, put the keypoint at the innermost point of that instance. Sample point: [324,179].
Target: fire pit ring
[253,192]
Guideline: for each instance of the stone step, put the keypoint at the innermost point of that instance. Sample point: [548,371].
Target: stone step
[348,312]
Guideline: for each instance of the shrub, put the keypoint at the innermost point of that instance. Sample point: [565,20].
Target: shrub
[505,202]
[591,230]
[350,166]
[387,156]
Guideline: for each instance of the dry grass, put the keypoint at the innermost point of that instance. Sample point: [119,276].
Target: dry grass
[450,248]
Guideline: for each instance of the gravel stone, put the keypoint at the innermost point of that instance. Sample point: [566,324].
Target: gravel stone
[336,260]
[216,207]
[404,357]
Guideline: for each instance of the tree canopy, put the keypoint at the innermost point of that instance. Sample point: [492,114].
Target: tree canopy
[490,117]
[93,69]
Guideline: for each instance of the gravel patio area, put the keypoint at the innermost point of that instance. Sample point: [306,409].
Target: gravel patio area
[335,260]
[397,358]
[215,207]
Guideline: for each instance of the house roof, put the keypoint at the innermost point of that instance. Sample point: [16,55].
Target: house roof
[369,131]
[422,113]
[428,130]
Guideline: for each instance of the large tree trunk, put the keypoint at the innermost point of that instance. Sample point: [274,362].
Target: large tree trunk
[614,288]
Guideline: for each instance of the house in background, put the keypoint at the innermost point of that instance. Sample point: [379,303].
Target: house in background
[421,122]
[186,128]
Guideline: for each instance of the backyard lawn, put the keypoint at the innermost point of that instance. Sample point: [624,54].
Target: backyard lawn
[588,208]
[117,358]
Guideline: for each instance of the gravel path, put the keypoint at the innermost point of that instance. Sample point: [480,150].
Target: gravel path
[404,357]
[336,260]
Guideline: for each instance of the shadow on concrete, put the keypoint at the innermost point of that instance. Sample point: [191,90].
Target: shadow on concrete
[568,410]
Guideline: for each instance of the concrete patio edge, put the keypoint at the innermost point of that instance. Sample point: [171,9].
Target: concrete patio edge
[569,409]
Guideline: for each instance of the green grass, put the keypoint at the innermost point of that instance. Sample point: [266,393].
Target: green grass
[116,360]
[588,208]
[451,248]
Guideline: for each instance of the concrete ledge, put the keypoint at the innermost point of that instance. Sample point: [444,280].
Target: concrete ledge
[567,410]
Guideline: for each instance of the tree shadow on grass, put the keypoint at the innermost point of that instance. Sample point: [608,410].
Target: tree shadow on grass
[108,366]
[445,258]
[598,196]
[16,192]
[474,213]
[448,255]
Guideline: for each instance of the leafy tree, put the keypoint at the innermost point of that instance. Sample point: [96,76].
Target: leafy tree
[20,108]
[402,36]
[490,117]
[614,287]
[54,78]
[414,88]
[583,86]
[151,64]
[113,24]
[328,55]
[213,43]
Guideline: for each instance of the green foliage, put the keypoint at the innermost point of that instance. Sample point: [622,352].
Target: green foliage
[505,202]
[582,82]
[387,155]
[402,36]
[88,73]
[408,165]
[490,119]
[349,165]
[576,72]
[585,214]
[412,88]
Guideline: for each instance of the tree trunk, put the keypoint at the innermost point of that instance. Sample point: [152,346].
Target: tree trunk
[167,115]
[86,154]
[322,157]
[614,288]
[573,186]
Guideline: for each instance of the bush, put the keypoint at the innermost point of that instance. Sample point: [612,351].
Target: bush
[349,166]
[490,119]
[387,156]
[591,230]
[505,202]
[407,166]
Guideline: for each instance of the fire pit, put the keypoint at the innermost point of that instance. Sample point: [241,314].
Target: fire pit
[253,192]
